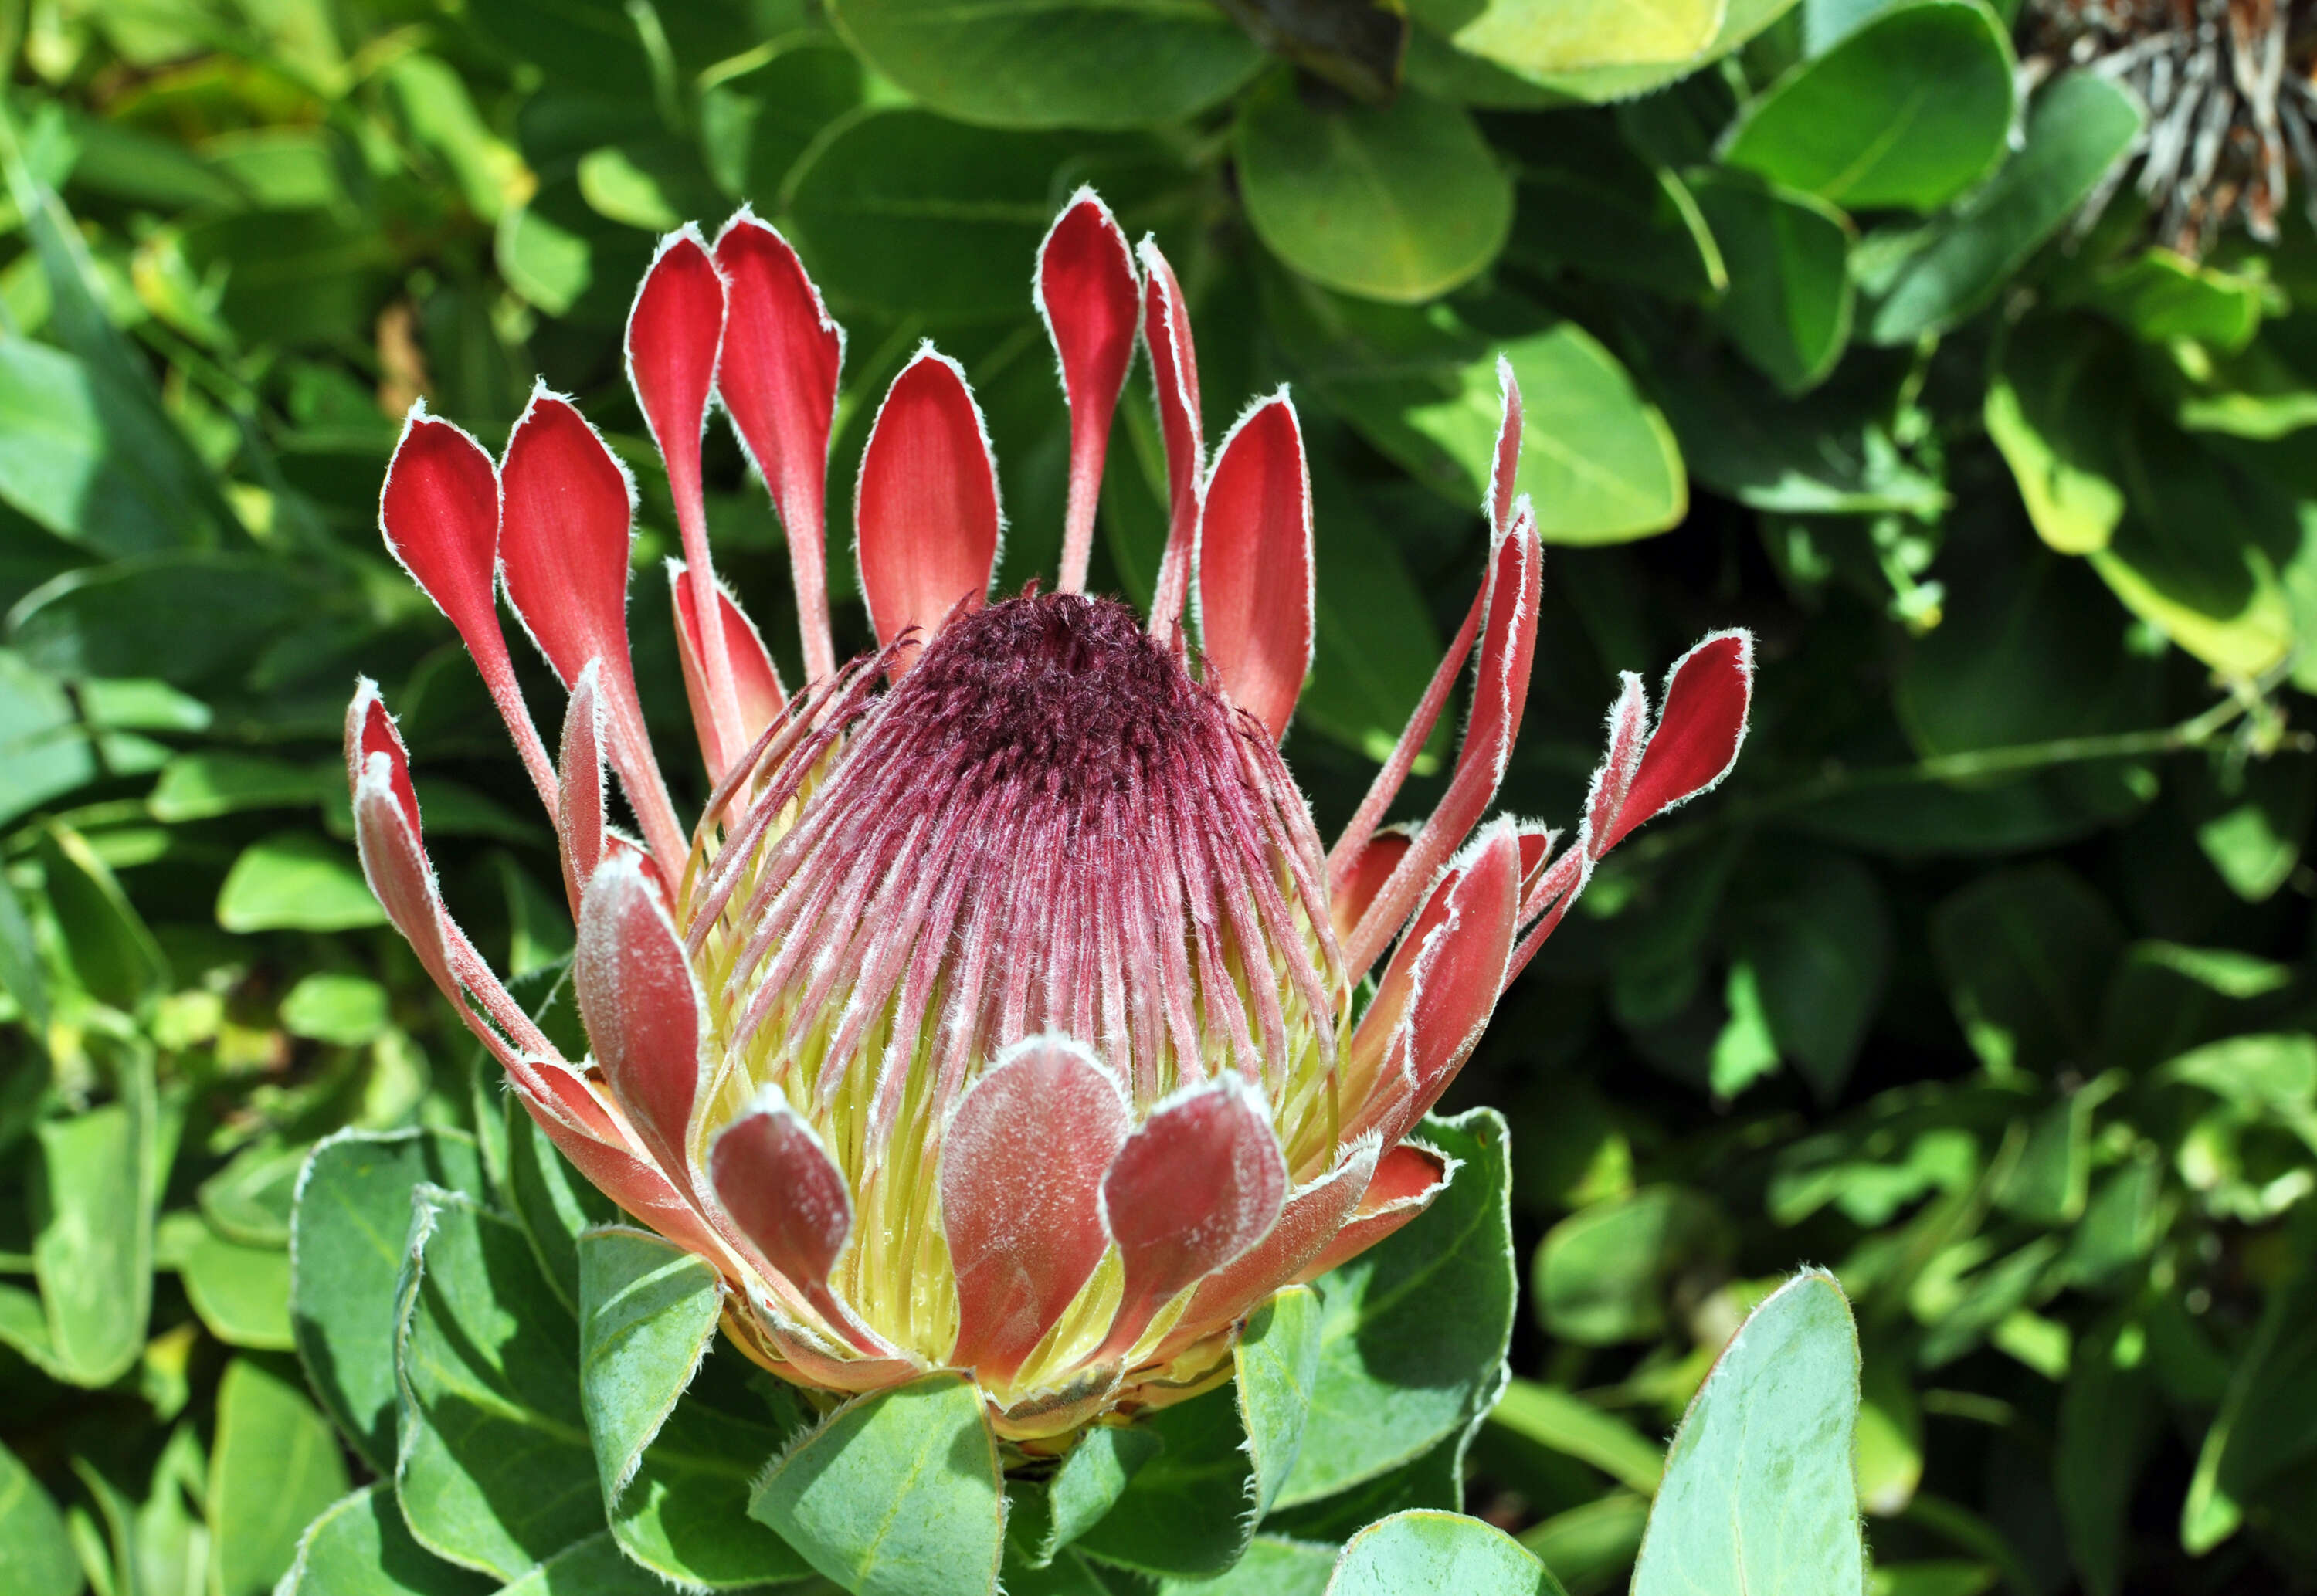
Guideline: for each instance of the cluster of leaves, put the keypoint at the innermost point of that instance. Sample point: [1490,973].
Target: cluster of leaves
[1986,982]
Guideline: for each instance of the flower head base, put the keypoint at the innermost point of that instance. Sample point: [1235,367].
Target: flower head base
[998,1012]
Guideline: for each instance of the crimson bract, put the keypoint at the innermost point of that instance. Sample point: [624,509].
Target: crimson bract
[999,1012]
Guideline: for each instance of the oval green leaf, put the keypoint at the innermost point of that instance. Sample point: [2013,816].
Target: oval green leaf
[675,1474]
[1908,112]
[1413,1332]
[905,212]
[346,1235]
[493,1464]
[2077,129]
[1400,204]
[1574,35]
[1758,1492]
[895,1494]
[296,882]
[1425,1551]
[359,1547]
[1788,305]
[36,1556]
[1053,63]
[274,1467]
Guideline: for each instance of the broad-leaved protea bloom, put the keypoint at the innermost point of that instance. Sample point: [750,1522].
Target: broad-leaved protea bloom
[1000,1012]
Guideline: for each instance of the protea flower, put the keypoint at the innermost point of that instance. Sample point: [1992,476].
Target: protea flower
[2229,87]
[1001,1011]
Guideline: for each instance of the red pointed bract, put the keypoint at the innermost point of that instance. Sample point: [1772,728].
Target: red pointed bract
[369,729]
[438,512]
[642,1007]
[563,556]
[1022,1173]
[1449,967]
[1698,733]
[1499,694]
[675,329]
[1504,461]
[1504,467]
[1254,564]
[756,683]
[564,544]
[1175,374]
[1198,1183]
[785,1195]
[580,815]
[925,512]
[1087,290]
[778,382]
[1407,1178]
[1308,1221]
[1354,888]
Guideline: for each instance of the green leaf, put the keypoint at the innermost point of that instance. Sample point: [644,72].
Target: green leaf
[91,1209]
[249,1200]
[1274,1565]
[202,785]
[2158,296]
[1740,21]
[897,1494]
[1413,1332]
[296,882]
[443,118]
[241,1292]
[2051,410]
[114,955]
[595,1566]
[1575,1428]
[2028,650]
[1592,1547]
[1400,204]
[36,1555]
[2078,127]
[2026,955]
[359,1547]
[1788,305]
[656,184]
[346,1244]
[677,1491]
[2107,1417]
[2220,599]
[550,1201]
[1123,65]
[1603,1274]
[2268,1423]
[1192,1510]
[754,125]
[905,212]
[1589,202]
[21,974]
[1759,1493]
[77,455]
[1577,34]
[492,1466]
[1820,947]
[1044,1516]
[1908,112]
[275,1465]
[1374,645]
[344,1011]
[124,619]
[1419,1553]
[1597,461]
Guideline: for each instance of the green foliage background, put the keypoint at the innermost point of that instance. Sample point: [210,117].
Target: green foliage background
[1985,982]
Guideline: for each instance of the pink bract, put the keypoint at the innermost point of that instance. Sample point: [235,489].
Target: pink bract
[998,1012]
